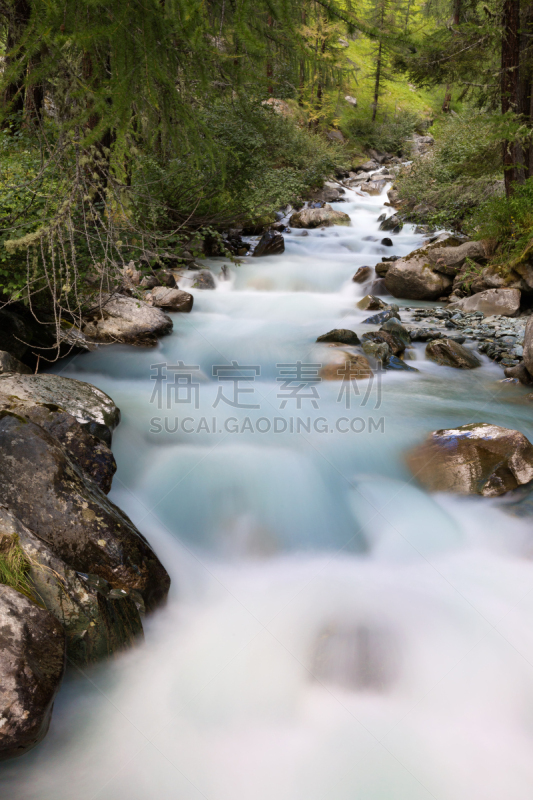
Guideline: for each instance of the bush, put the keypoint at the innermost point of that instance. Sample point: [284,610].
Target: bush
[507,222]
[459,173]
[387,135]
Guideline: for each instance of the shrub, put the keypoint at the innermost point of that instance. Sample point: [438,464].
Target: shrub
[387,135]
[507,222]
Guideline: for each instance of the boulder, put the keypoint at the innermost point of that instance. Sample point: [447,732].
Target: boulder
[204,280]
[392,224]
[82,400]
[519,373]
[165,278]
[448,353]
[340,335]
[319,218]
[395,363]
[394,325]
[172,299]
[335,136]
[369,166]
[91,454]
[271,243]
[47,491]
[378,350]
[362,275]
[382,268]
[414,276]
[131,276]
[473,459]
[371,303]
[32,662]
[149,282]
[9,363]
[351,100]
[387,242]
[329,194]
[493,301]
[126,320]
[448,260]
[374,187]
[528,345]
[395,343]
[97,620]
[346,367]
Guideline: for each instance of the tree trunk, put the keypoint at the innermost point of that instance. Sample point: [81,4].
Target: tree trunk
[376,84]
[510,63]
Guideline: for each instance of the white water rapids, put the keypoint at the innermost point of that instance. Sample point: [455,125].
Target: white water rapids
[333,632]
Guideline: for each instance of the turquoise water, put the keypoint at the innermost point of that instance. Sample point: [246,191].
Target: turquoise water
[332,630]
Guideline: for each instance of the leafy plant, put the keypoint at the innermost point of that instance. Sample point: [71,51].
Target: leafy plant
[14,566]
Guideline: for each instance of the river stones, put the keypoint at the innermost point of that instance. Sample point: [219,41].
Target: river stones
[383,316]
[371,303]
[85,402]
[492,301]
[127,320]
[473,459]
[341,335]
[204,279]
[378,350]
[392,224]
[9,363]
[346,367]
[271,243]
[362,275]
[448,353]
[382,268]
[395,363]
[32,661]
[319,218]
[394,326]
[171,299]
[47,492]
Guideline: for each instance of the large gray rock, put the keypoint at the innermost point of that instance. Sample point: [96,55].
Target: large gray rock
[319,218]
[449,260]
[473,459]
[32,661]
[171,299]
[9,363]
[97,620]
[415,278]
[204,279]
[493,301]
[127,320]
[271,243]
[448,353]
[49,494]
[82,400]
[362,275]
[341,335]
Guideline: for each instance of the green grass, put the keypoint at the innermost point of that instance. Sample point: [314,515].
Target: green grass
[14,566]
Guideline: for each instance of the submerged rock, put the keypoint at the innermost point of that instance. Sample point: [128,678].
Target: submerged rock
[127,320]
[393,362]
[32,661]
[204,280]
[392,224]
[395,342]
[341,335]
[172,299]
[271,243]
[371,303]
[379,350]
[473,459]
[383,316]
[319,217]
[347,367]
[448,353]
[48,493]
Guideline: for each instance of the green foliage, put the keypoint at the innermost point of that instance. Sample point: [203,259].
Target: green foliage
[460,171]
[387,135]
[14,566]
[507,222]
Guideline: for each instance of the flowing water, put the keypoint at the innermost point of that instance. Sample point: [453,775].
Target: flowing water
[333,632]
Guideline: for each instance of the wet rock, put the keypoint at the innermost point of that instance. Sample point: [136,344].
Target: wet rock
[492,301]
[362,275]
[392,224]
[382,268]
[319,217]
[9,363]
[340,335]
[394,325]
[165,278]
[126,320]
[49,494]
[450,259]
[347,367]
[520,373]
[374,187]
[425,334]
[172,299]
[32,661]
[379,350]
[473,459]
[448,353]
[394,342]
[149,282]
[528,345]
[82,400]
[271,243]
[387,242]
[204,280]
[395,363]
[371,303]
[329,194]
[96,625]
[383,316]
